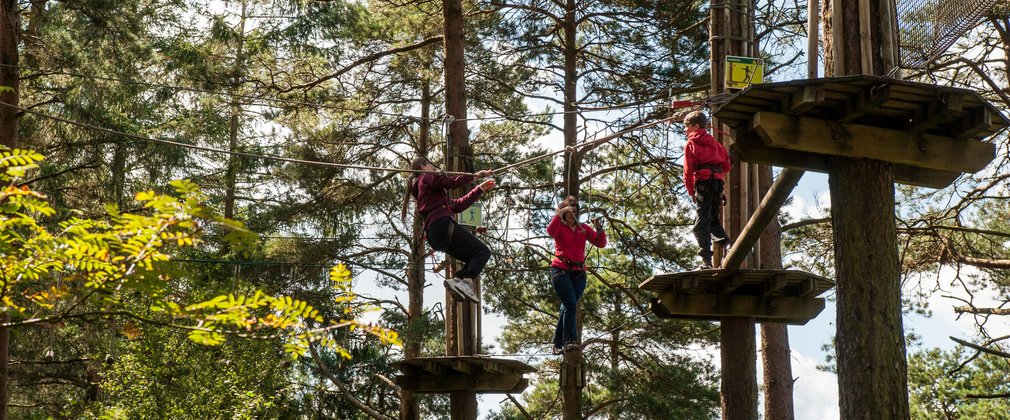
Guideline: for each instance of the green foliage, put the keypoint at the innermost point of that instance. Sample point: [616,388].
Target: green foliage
[957,384]
[103,264]
[163,374]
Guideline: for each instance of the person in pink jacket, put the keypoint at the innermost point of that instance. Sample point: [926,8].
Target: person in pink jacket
[430,190]
[568,268]
[706,164]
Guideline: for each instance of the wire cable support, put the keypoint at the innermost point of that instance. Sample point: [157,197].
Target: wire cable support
[502,169]
[305,103]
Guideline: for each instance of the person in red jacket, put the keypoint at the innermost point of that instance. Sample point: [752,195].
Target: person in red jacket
[705,166]
[430,190]
[568,268]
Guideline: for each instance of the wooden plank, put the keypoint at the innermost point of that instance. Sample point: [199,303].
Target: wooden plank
[461,365]
[486,383]
[730,284]
[803,100]
[808,288]
[431,366]
[937,113]
[860,141]
[714,306]
[774,284]
[762,155]
[862,103]
[975,124]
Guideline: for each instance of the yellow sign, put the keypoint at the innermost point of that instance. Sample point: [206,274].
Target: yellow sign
[744,71]
[470,216]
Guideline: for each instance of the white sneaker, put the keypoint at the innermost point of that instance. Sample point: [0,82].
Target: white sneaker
[467,289]
[452,285]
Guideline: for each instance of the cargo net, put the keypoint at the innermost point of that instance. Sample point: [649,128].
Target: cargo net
[926,28]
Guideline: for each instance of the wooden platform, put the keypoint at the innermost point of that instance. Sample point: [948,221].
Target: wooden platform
[931,134]
[480,374]
[783,296]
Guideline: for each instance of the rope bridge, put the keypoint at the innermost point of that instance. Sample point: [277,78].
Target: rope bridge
[926,28]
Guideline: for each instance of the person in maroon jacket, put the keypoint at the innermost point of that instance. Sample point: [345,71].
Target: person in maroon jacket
[705,166]
[430,190]
[568,268]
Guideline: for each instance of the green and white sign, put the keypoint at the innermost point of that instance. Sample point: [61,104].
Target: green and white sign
[470,216]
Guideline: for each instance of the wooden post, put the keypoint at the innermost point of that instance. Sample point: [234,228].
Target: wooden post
[872,370]
[732,34]
[462,404]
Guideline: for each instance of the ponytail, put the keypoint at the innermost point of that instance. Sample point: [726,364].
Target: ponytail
[416,164]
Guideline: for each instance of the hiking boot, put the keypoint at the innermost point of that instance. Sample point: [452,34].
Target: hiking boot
[557,351]
[571,345]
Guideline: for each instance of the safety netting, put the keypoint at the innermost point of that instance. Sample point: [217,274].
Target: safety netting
[927,28]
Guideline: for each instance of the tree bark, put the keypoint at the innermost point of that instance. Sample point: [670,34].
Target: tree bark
[9,78]
[409,409]
[776,363]
[733,23]
[9,74]
[462,405]
[739,386]
[571,391]
[233,121]
[870,345]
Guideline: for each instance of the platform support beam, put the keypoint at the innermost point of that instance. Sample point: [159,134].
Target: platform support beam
[769,208]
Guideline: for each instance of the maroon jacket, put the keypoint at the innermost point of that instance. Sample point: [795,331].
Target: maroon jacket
[433,200]
[570,244]
[702,149]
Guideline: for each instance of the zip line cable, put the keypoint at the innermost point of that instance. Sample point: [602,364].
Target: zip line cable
[216,150]
[304,103]
[502,169]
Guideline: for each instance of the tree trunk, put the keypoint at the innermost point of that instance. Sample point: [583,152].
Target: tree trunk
[870,345]
[739,385]
[233,120]
[571,381]
[9,75]
[615,340]
[733,25]
[776,363]
[462,405]
[10,80]
[409,409]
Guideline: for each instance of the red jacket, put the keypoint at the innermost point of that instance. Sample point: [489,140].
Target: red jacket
[433,200]
[571,244]
[702,149]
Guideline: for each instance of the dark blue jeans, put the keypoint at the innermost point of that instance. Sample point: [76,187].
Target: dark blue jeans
[569,286]
[463,246]
[708,226]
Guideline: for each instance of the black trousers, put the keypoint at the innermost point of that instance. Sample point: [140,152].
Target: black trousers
[708,226]
[462,246]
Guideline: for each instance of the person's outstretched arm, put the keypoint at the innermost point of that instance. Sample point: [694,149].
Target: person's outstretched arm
[464,202]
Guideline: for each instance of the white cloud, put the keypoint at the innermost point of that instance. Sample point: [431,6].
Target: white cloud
[815,393]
